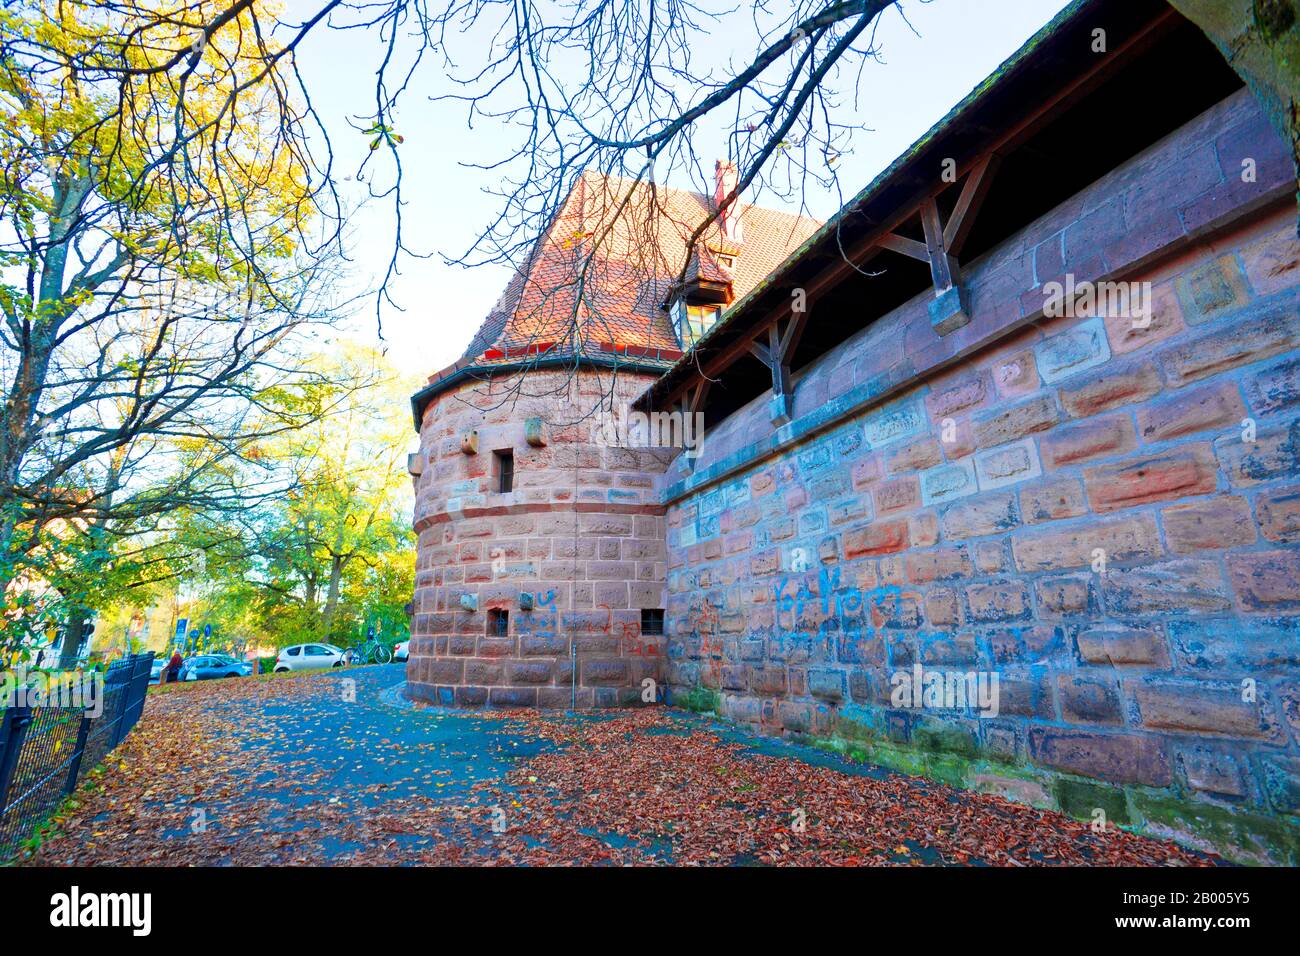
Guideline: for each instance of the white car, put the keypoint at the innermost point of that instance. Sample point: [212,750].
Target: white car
[401,651]
[306,657]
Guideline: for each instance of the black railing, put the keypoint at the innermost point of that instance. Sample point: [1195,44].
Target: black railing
[46,751]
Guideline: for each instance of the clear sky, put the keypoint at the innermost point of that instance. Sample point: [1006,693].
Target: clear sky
[919,79]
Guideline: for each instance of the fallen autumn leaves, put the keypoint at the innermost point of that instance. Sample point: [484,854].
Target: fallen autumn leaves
[637,787]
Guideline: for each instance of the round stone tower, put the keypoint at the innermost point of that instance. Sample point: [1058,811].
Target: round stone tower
[541,567]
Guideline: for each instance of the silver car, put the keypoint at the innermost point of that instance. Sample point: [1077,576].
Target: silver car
[306,657]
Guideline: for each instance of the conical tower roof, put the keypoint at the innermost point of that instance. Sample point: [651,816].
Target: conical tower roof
[597,284]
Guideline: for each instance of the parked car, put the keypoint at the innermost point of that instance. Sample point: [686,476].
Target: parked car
[303,657]
[156,669]
[211,666]
[401,650]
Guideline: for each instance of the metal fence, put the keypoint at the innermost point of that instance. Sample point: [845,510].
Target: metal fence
[45,751]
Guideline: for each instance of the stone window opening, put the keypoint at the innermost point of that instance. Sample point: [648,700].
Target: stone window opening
[498,622]
[652,620]
[503,470]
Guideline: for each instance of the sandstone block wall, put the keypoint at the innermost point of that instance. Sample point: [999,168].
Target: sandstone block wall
[1104,513]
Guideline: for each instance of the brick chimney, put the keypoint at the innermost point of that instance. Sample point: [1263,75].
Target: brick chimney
[724,181]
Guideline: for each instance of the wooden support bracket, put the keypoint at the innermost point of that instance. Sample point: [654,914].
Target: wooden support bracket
[691,403]
[782,339]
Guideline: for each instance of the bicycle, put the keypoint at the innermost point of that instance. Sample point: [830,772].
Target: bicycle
[371,651]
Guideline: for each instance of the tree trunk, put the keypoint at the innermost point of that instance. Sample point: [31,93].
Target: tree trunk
[1260,39]
[73,638]
[332,595]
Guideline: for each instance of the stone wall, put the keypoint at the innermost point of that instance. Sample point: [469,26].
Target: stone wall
[1102,512]
[580,539]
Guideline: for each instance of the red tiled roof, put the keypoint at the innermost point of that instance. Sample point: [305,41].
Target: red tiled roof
[563,300]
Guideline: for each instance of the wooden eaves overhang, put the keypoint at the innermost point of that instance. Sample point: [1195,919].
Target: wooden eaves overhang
[1056,68]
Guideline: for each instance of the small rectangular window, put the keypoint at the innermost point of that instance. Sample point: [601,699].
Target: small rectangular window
[498,622]
[652,620]
[504,461]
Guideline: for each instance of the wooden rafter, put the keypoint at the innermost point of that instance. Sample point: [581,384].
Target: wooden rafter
[901,244]
[968,205]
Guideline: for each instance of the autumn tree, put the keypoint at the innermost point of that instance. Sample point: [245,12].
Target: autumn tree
[164,264]
[337,548]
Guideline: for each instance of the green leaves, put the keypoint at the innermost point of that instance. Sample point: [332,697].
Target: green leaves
[382,134]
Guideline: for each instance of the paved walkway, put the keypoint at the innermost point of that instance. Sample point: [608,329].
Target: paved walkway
[337,768]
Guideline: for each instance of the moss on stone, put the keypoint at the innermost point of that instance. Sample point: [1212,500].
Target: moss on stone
[699,699]
[1240,835]
[1080,799]
[942,739]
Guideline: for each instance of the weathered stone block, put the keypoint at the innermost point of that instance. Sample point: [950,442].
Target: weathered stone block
[1210,288]
[1088,699]
[1052,500]
[898,495]
[942,607]
[609,672]
[1185,586]
[914,456]
[1190,470]
[990,557]
[1072,351]
[1007,464]
[1065,596]
[1117,385]
[1216,405]
[479,671]
[1273,263]
[882,537]
[1275,388]
[948,482]
[528,672]
[961,396]
[1239,645]
[826,684]
[1002,425]
[1104,437]
[1188,707]
[1117,757]
[1120,645]
[1211,525]
[998,601]
[471,696]
[1281,780]
[944,564]
[512,696]
[1273,329]
[987,514]
[893,422]
[1025,697]
[1266,580]
[1125,539]
[1274,453]
[1279,514]
[1083,800]
[1212,771]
